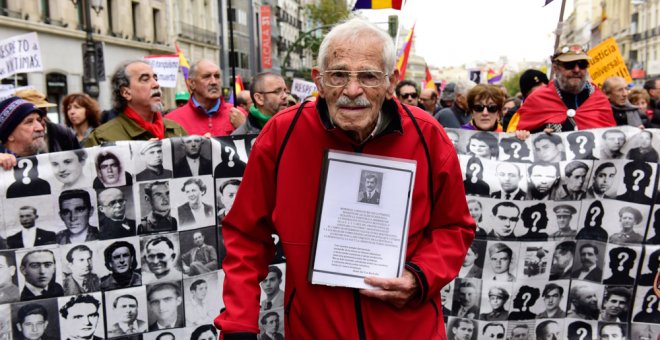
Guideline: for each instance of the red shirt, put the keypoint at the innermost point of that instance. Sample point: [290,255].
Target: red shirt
[197,122]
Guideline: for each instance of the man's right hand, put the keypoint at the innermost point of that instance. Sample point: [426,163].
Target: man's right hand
[7,161]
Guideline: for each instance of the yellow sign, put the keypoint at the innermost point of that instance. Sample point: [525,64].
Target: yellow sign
[606,61]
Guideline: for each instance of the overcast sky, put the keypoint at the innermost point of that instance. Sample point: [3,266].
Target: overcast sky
[457,32]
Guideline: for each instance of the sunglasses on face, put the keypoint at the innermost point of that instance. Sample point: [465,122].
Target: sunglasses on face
[569,65]
[492,108]
[409,95]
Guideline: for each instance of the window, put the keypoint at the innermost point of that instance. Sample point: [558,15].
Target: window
[135,6]
[156,23]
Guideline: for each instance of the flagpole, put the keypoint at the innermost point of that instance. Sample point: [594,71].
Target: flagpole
[559,29]
[230,16]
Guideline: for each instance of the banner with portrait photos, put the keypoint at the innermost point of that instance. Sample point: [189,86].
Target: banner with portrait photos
[122,241]
[568,238]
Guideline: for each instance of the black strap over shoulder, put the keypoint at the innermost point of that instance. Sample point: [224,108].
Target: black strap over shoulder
[427,151]
[286,138]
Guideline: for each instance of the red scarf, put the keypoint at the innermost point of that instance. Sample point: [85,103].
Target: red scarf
[545,107]
[156,128]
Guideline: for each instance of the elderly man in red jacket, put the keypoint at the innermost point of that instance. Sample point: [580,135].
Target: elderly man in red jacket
[356,111]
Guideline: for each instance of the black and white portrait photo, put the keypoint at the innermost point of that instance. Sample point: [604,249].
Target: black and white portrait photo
[225,196]
[27,181]
[644,331]
[229,156]
[482,145]
[589,258]
[272,288]
[467,298]
[5,322]
[476,208]
[126,311]
[584,300]
[199,253]
[573,186]
[492,330]
[604,182]
[563,257]
[581,145]
[525,302]
[548,148]
[28,222]
[79,275]
[611,143]
[118,263]
[650,266]
[520,330]
[8,277]
[563,220]
[543,179]
[155,208]
[36,320]
[200,303]
[165,301]
[455,138]
[510,177]
[536,260]
[555,297]
[643,147]
[495,301]
[621,265]
[639,182]
[78,215]
[194,202]
[192,156]
[501,260]
[549,329]
[371,183]
[116,209]
[39,273]
[81,317]
[473,263]
[204,332]
[460,328]
[70,169]
[153,160]
[616,304]
[627,222]
[515,150]
[161,258]
[505,219]
[169,334]
[474,182]
[446,297]
[111,167]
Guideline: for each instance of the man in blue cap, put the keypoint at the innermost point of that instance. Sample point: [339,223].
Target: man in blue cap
[22,131]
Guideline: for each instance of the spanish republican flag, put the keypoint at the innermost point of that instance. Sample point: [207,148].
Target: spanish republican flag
[183,63]
[378,4]
[238,84]
[428,81]
[402,61]
[494,77]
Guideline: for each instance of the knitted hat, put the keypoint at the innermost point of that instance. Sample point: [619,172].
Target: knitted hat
[12,112]
[531,78]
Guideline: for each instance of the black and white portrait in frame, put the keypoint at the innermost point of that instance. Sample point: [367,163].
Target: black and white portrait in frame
[581,145]
[501,261]
[644,146]
[5,322]
[480,144]
[79,273]
[68,170]
[161,258]
[226,189]
[166,306]
[28,221]
[193,199]
[584,300]
[118,263]
[626,222]
[35,320]
[156,212]
[371,184]
[112,166]
[169,334]
[589,260]
[152,160]
[455,138]
[548,148]
[512,149]
[191,156]
[521,330]
[272,288]
[492,329]
[40,273]
[81,316]
[554,296]
[77,216]
[612,142]
[199,251]
[230,155]
[199,296]
[8,277]
[575,176]
[117,213]
[467,298]
[621,263]
[495,300]
[511,181]
[126,311]
[25,179]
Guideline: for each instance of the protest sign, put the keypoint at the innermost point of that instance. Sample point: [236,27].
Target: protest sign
[607,61]
[303,89]
[20,54]
[166,67]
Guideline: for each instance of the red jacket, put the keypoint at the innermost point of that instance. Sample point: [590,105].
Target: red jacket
[198,122]
[286,203]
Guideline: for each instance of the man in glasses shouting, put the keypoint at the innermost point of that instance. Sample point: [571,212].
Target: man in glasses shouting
[269,95]
[570,102]
[356,111]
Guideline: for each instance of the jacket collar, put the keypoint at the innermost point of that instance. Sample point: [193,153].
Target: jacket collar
[389,110]
[134,130]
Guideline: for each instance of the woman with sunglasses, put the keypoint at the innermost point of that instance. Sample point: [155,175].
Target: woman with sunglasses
[485,103]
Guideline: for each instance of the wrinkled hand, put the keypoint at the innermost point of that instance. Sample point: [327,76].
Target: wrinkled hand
[522,134]
[236,117]
[7,161]
[398,292]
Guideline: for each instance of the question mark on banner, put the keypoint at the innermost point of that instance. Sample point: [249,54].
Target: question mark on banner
[526,297]
[536,217]
[595,211]
[231,153]
[638,175]
[623,257]
[26,165]
[582,333]
[476,169]
[582,140]
[276,238]
[651,299]
[516,149]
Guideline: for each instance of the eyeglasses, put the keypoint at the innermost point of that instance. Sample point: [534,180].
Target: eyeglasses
[278,92]
[492,108]
[409,95]
[340,78]
[569,65]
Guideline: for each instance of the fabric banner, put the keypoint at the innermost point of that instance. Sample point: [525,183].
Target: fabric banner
[568,239]
[20,54]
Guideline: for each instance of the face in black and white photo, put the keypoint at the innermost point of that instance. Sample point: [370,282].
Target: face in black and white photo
[201,308]
[110,172]
[500,256]
[483,145]
[493,330]
[613,141]
[121,260]
[8,288]
[75,212]
[542,180]
[270,324]
[562,261]
[576,176]
[470,267]
[165,305]
[204,332]
[29,235]
[80,317]
[548,330]
[445,297]
[152,155]
[615,304]
[520,332]
[629,217]
[612,331]
[508,174]
[227,194]
[584,302]
[548,148]
[68,168]
[195,213]
[552,298]
[202,256]
[271,287]
[194,162]
[157,196]
[453,136]
[497,298]
[462,329]
[81,278]
[38,269]
[160,256]
[590,263]
[466,298]
[564,215]
[112,215]
[506,219]
[603,179]
[31,322]
[370,192]
[125,310]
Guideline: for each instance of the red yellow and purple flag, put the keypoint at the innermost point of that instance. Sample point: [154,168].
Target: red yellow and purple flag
[428,81]
[402,57]
[378,4]
[238,84]
[494,77]
[183,63]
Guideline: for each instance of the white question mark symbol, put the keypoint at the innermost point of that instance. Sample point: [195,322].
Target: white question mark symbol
[582,333]
[595,211]
[231,153]
[639,176]
[623,257]
[582,140]
[27,164]
[536,217]
[526,297]
[276,238]
[651,299]
[516,149]
[476,169]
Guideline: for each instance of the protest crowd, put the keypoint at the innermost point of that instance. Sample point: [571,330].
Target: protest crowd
[361,107]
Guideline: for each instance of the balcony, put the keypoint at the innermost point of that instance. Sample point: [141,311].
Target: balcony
[198,34]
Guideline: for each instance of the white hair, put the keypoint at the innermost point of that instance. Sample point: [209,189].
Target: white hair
[463,87]
[354,32]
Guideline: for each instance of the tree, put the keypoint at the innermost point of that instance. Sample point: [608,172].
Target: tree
[512,84]
[324,13]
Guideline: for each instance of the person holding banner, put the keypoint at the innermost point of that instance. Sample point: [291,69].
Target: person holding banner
[206,113]
[136,96]
[21,131]
[570,102]
[355,111]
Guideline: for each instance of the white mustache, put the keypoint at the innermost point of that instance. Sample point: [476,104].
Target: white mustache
[38,135]
[360,101]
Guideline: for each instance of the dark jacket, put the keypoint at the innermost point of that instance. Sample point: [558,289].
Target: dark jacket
[124,128]
[60,138]
[629,114]
[110,229]
[249,127]
[182,169]
[453,117]
[54,289]
[42,238]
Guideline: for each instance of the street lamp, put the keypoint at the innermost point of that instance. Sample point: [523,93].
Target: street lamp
[90,79]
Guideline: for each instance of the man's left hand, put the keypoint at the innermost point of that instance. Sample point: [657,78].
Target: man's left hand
[236,117]
[398,291]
